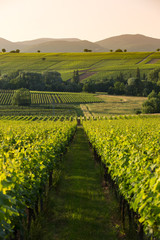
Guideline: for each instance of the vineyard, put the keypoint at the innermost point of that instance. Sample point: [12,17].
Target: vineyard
[130,151]
[48,98]
[29,159]
[37,118]
[99,65]
[30,162]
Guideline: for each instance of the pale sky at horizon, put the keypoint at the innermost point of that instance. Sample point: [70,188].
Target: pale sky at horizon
[91,20]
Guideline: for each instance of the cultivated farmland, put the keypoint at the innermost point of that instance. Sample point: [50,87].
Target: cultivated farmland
[90,65]
[47,98]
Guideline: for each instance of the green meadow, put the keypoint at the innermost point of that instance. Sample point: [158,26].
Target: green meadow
[96,66]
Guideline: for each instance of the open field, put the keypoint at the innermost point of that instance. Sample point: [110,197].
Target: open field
[116,105]
[102,64]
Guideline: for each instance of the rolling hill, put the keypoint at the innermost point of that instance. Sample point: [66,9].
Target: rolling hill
[51,45]
[133,43]
[91,65]
[64,46]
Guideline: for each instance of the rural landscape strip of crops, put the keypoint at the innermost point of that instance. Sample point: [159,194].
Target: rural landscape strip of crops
[38,98]
[29,161]
[31,148]
[101,64]
[130,151]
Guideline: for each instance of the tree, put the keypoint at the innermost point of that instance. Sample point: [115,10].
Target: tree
[153,75]
[119,50]
[119,87]
[152,105]
[138,75]
[144,76]
[3,50]
[75,78]
[38,51]
[87,50]
[111,50]
[158,49]
[153,94]
[89,87]
[52,80]
[125,50]
[17,51]
[134,87]
[22,97]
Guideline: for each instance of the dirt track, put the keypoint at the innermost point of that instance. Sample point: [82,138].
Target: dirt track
[86,75]
[153,61]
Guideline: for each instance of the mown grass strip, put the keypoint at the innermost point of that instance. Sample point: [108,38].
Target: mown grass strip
[78,209]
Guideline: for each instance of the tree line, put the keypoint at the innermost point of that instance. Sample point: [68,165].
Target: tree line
[46,81]
[139,85]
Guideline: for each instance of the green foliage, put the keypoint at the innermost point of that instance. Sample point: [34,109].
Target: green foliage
[118,50]
[106,66]
[154,75]
[22,97]
[75,78]
[152,105]
[47,98]
[15,51]
[131,81]
[130,151]
[30,151]
[87,50]
[138,75]
[89,87]
[119,88]
[52,80]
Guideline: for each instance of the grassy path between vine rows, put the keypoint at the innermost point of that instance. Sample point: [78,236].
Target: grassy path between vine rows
[78,209]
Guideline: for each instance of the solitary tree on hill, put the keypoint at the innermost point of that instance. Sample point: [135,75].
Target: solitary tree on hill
[87,50]
[119,50]
[3,50]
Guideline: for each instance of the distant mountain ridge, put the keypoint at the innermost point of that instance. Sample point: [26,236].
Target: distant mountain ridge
[131,42]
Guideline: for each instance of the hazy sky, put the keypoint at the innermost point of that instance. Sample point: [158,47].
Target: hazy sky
[85,19]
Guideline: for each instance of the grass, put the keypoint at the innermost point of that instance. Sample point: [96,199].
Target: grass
[103,64]
[78,208]
[116,105]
